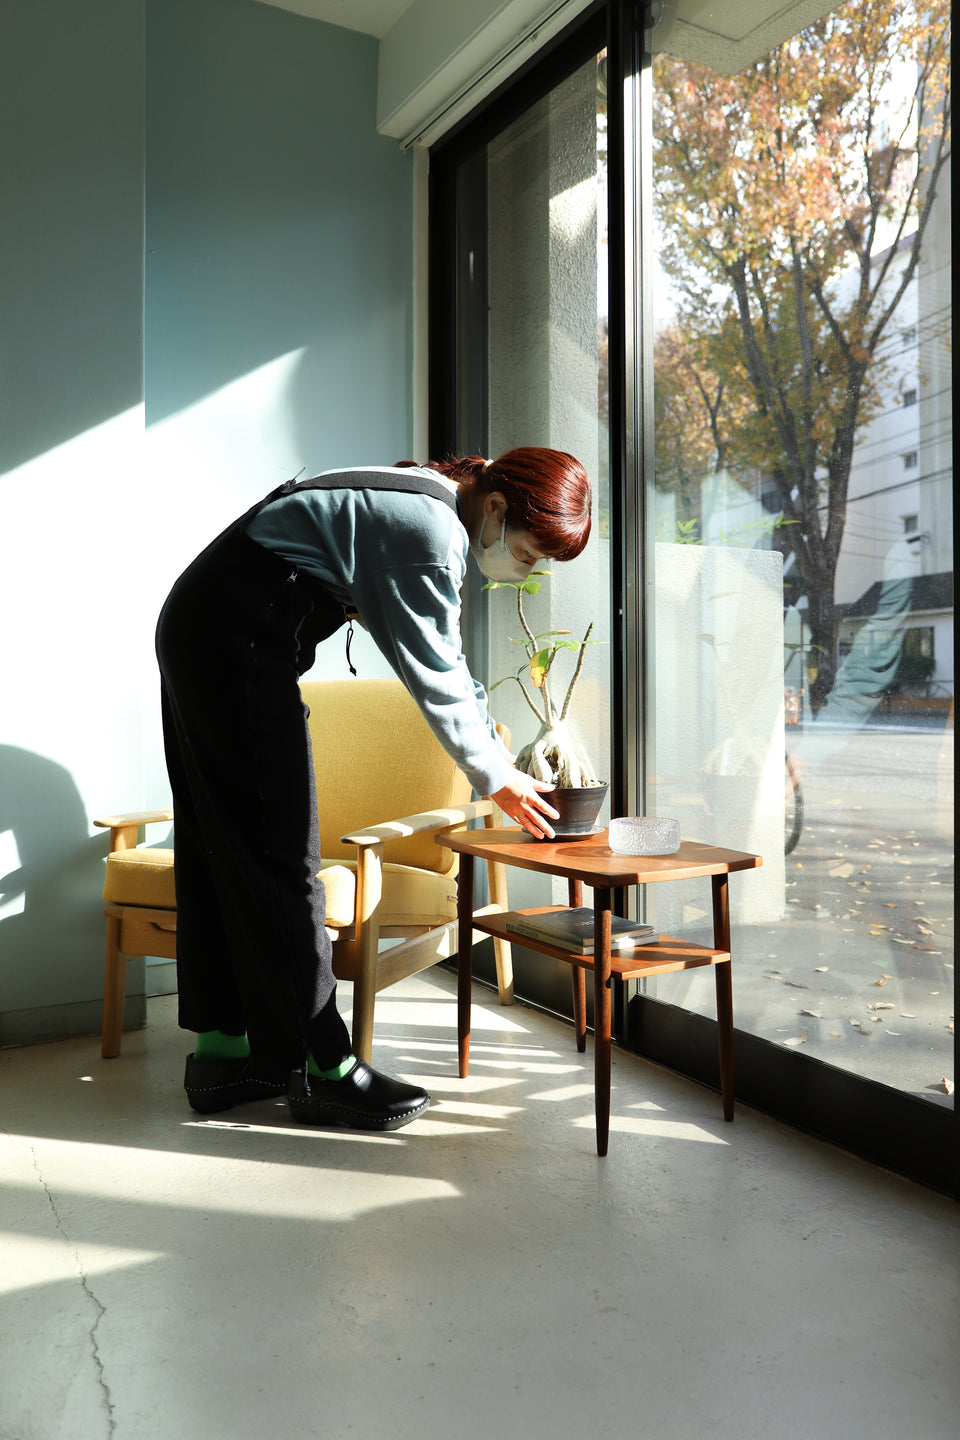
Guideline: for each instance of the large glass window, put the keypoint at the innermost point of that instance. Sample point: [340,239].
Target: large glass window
[756,372]
[531,294]
[803,616]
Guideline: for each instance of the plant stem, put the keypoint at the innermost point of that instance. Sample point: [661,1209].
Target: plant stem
[576,673]
[523,692]
[548,719]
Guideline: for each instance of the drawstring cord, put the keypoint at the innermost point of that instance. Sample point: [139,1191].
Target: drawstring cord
[349,639]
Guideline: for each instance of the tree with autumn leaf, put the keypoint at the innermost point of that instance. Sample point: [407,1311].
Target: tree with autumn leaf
[784,195]
[700,412]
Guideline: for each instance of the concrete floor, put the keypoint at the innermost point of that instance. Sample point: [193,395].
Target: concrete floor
[479,1273]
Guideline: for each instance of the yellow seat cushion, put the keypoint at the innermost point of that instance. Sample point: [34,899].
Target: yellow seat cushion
[410,897]
[141,877]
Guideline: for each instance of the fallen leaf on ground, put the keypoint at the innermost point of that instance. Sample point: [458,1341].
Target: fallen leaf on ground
[882,1005]
[814,1014]
[799,985]
[822,969]
[890,904]
[797,1039]
[882,981]
[946,1086]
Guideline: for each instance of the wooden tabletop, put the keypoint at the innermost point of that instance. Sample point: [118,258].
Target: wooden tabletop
[592,861]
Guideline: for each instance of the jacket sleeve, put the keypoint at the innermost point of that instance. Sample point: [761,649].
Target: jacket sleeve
[413,613]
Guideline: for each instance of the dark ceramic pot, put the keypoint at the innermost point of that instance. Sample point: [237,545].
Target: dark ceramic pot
[579,808]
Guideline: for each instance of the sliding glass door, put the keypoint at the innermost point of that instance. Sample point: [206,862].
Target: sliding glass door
[727,288]
[529,286]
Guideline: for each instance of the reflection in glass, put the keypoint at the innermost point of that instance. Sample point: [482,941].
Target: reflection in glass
[531,315]
[802,503]
[546,289]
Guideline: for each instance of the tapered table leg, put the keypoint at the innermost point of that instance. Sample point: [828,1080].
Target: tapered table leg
[575,900]
[580,1006]
[464,960]
[724,979]
[601,1015]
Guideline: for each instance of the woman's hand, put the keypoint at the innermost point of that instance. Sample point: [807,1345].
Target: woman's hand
[521,799]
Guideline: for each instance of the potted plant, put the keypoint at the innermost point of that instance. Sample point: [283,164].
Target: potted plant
[553,755]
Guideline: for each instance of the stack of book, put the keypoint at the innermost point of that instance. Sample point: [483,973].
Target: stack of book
[573,930]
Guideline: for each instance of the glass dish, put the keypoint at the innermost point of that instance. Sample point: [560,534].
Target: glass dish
[644,835]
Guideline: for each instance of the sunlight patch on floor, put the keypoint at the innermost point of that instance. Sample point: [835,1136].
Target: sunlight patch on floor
[663,1129]
[43,1261]
[237,1185]
[564,1092]
[427,1014]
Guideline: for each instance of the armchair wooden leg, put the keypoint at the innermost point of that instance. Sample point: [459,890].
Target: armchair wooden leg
[114,991]
[369,893]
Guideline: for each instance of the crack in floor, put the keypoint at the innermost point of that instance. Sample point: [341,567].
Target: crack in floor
[88,1292]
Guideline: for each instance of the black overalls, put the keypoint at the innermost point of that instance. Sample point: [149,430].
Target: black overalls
[235,634]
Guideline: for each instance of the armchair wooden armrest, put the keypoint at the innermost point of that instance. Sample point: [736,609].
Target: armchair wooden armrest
[417,824]
[123,828]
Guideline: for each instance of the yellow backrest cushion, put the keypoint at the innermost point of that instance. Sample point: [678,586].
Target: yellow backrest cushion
[375,759]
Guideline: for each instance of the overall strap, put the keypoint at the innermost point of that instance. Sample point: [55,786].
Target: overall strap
[319,626]
[402,480]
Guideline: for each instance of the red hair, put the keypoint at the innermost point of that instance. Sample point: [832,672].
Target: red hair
[547,492]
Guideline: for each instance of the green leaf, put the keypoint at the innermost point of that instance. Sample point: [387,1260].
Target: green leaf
[539,666]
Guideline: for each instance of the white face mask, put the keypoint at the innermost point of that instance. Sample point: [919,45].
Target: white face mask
[497,561]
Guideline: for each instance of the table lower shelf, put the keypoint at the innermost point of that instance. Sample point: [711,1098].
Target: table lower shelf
[669,954]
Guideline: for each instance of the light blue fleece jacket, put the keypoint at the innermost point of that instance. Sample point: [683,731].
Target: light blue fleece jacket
[398,560]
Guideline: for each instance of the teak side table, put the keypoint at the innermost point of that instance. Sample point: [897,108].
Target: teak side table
[591,862]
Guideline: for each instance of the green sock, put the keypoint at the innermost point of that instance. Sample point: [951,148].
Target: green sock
[215,1045]
[339,1072]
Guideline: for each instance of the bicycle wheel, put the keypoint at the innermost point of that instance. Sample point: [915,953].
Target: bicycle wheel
[792,811]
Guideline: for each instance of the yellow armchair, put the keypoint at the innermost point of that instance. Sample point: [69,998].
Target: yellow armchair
[385,787]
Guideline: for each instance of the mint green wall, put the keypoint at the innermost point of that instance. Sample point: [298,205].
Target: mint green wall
[279,274]
[278,312]
[278,221]
[71,219]
[71,463]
